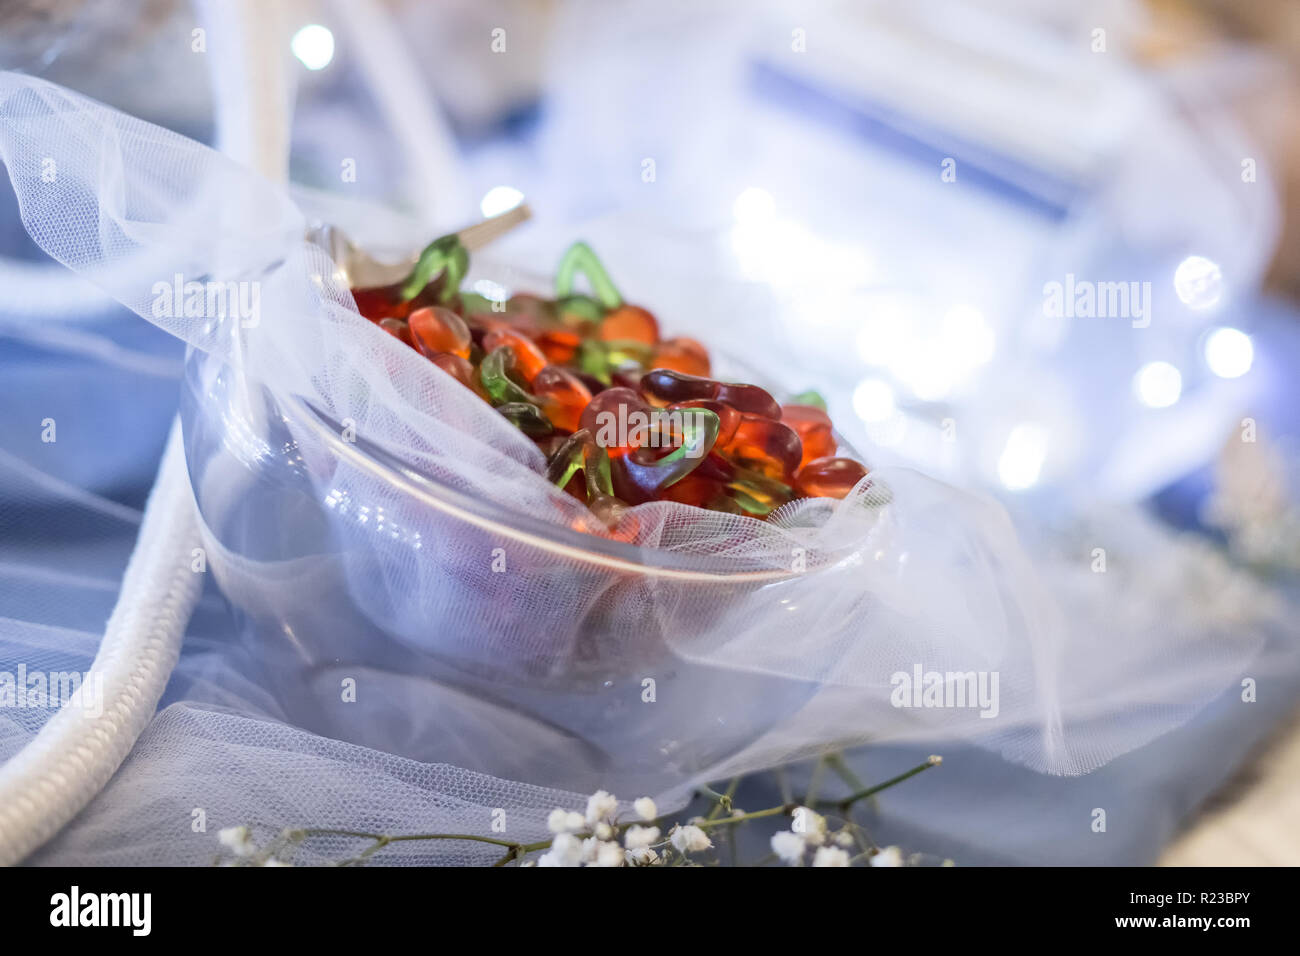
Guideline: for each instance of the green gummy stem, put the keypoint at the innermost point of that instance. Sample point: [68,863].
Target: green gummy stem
[580,258]
[698,442]
[492,373]
[810,397]
[443,254]
[600,481]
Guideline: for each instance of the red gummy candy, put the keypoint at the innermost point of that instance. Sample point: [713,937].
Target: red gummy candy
[768,446]
[560,346]
[728,417]
[563,397]
[694,489]
[829,477]
[397,329]
[458,368]
[529,359]
[383,301]
[619,420]
[749,398]
[438,330]
[681,355]
[481,323]
[813,427]
[665,386]
[628,323]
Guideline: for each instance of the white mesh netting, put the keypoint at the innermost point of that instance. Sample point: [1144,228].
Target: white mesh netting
[421,637]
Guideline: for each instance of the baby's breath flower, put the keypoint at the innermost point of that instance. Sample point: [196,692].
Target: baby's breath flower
[788,846]
[557,820]
[889,856]
[830,856]
[608,853]
[644,856]
[601,805]
[811,825]
[566,850]
[639,837]
[565,821]
[844,838]
[239,840]
[645,808]
[690,839]
[603,831]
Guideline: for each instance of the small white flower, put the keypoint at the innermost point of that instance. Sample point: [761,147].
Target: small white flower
[844,838]
[239,840]
[566,850]
[603,831]
[645,808]
[642,857]
[608,854]
[565,821]
[274,862]
[690,839]
[788,846]
[601,805]
[638,837]
[830,856]
[889,856]
[590,847]
[810,825]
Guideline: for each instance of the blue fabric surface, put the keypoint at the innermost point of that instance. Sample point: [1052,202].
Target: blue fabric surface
[975,809]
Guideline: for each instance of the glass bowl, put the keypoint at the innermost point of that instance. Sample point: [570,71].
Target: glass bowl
[386,608]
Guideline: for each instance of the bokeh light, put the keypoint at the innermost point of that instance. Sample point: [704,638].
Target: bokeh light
[1158,384]
[1198,282]
[1229,352]
[314,46]
[499,199]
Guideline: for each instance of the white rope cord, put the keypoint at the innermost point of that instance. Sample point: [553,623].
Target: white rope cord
[73,756]
[384,56]
[75,753]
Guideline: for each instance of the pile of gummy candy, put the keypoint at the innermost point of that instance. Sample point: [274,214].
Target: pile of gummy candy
[557,369]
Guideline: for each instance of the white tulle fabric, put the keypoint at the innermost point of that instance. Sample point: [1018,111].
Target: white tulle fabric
[404,623]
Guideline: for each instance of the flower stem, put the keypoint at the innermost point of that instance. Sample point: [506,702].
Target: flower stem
[386,838]
[756,815]
[516,851]
[847,802]
[836,762]
[724,803]
[815,781]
